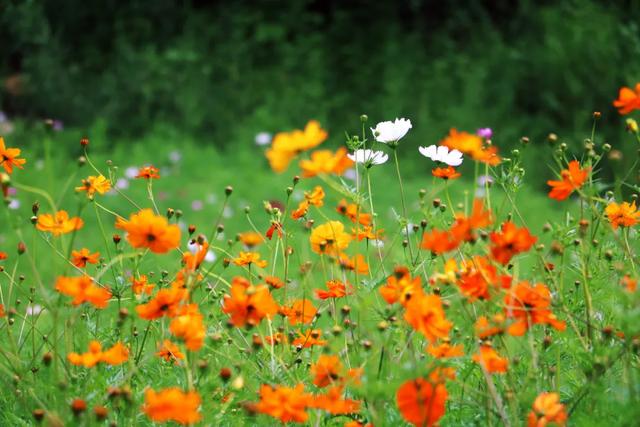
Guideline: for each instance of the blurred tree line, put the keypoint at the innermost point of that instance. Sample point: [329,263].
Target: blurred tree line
[224,70]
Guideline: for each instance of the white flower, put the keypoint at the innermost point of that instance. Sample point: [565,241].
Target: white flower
[263,138]
[442,154]
[369,157]
[391,131]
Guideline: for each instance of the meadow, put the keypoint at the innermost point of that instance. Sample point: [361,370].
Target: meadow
[324,279]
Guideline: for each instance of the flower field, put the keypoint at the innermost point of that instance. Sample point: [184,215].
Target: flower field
[336,289]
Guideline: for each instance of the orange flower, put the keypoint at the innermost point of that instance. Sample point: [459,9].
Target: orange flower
[172,404]
[301,311]
[571,179]
[473,146]
[83,256]
[329,238]
[477,276]
[530,305]
[59,224]
[9,158]
[95,184]
[628,99]
[629,283]
[116,355]
[274,282]
[287,145]
[354,213]
[3,256]
[277,338]
[426,315]
[309,338]
[83,290]
[333,402]
[170,352]
[509,242]
[284,403]
[148,172]
[366,232]
[337,289]
[248,304]
[622,215]
[326,162]
[165,303]
[188,325]
[192,261]
[140,285]
[421,402]
[357,263]
[490,360]
[326,370]
[445,350]
[400,287]
[547,410]
[464,227]
[147,230]
[486,328]
[446,173]
[248,258]
[250,239]
[311,198]
[439,242]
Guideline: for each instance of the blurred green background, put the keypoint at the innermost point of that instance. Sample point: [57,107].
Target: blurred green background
[220,72]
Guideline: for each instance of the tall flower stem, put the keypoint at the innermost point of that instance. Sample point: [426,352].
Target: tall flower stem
[404,205]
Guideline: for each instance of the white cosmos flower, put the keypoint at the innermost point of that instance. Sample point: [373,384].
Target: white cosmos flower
[386,132]
[442,154]
[369,157]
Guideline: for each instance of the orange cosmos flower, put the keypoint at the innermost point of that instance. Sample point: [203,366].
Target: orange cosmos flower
[509,242]
[337,289]
[116,355]
[547,410]
[9,158]
[3,256]
[309,338]
[301,311]
[486,328]
[464,227]
[477,276]
[628,99]
[274,282]
[192,261]
[355,214]
[170,352]
[287,145]
[449,274]
[59,224]
[95,184]
[426,315]
[248,258]
[333,402]
[277,338]
[165,303]
[571,179]
[148,172]
[439,242]
[421,402]
[172,404]
[83,290]
[326,370]
[2,312]
[357,263]
[446,173]
[445,350]
[188,325]
[140,285]
[329,238]
[148,230]
[326,162]
[530,305]
[248,304]
[629,283]
[473,146]
[284,403]
[622,215]
[488,358]
[311,198]
[250,239]
[83,256]
[400,287]
[366,232]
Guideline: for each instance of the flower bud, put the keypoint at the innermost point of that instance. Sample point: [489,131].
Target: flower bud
[84,141]
[228,190]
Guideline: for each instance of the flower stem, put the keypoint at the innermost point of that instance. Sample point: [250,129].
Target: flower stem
[404,205]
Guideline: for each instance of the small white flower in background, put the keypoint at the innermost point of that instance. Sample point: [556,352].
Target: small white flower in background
[122,184]
[175,156]
[33,310]
[377,243]
[442,154]
[350,174]
[210,256]
[263,138]
[212,199]
[408,228]
[197,205]
[386,132]
[485,180]
[227,212]
[14,204]
[131,172]
[369,157]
